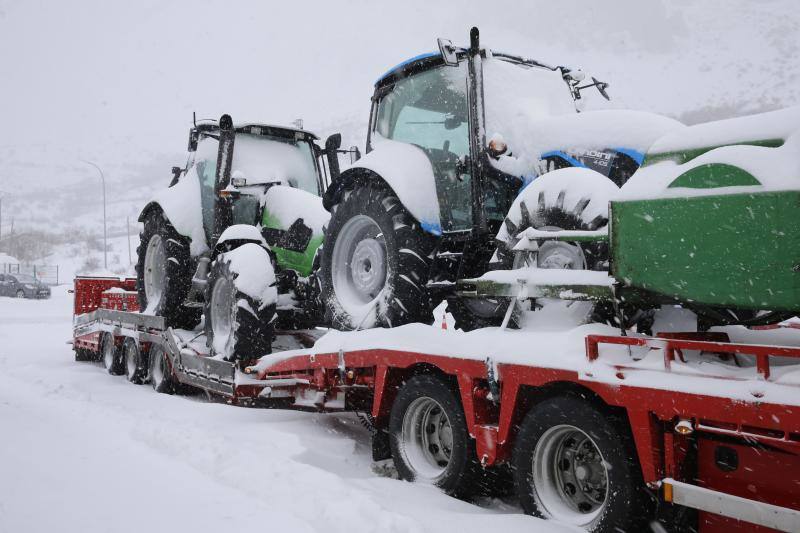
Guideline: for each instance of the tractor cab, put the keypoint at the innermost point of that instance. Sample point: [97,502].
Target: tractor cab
[259,156]
[447,104]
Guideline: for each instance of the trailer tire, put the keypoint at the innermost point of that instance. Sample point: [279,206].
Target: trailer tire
[568,454]
[238,326]
[375,261]
[112,359]
[135,363]
[160,371]
[165,265]
[82,354]
[443,453]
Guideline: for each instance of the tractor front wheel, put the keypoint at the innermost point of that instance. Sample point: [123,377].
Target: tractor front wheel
[240,304]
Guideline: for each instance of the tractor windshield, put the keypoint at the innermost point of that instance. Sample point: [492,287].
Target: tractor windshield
[267,158]
[516,96]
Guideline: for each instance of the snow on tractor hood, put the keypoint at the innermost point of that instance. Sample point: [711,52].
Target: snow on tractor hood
[706,160]
[287,204]
[408,171]
[529,138]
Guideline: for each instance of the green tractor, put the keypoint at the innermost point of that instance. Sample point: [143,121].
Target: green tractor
[235,236]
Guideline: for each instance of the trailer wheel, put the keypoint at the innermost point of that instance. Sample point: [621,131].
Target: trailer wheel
[576,464]
[112,359]
[164,272]
[135,364]
[375,262]
[160,371]
[82,354]
[239,325]
[429,438]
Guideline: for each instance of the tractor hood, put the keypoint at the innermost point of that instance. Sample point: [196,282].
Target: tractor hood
[571,136]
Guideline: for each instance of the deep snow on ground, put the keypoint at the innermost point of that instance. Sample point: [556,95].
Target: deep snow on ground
[84,451]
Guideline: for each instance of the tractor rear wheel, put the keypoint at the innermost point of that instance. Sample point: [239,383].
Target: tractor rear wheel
[375,262]
[164,272]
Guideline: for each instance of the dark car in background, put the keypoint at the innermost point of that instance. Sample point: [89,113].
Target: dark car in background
[22,286]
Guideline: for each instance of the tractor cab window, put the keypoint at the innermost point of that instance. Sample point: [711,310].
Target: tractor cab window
[430,111]
[268,159]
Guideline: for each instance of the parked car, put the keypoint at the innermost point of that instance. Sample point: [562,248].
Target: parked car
[23,286]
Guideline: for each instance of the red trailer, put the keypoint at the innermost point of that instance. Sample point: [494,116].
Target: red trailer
[627,431]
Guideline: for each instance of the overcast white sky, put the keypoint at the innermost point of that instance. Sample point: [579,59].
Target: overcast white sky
[117,81]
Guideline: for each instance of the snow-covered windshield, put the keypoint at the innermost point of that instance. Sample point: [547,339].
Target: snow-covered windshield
[516,96]
[25,278]
[264,159]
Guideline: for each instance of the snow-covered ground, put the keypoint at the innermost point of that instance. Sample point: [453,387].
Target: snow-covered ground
[83,451]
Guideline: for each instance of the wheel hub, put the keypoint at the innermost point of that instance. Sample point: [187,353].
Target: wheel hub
[223,315]
[427,439]
[359,265]
[368,267]
[570,478]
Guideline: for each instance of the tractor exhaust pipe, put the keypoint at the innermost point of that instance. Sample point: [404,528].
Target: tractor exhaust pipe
[223,207]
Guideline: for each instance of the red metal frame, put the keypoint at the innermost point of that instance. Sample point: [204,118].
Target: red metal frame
[493,421]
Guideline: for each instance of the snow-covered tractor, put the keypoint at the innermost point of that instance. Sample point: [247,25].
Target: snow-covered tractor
[453,138]
[236,234]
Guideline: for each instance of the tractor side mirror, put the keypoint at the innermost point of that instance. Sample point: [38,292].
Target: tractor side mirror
[448,52]
[332,145]
[355,154]
[176,174]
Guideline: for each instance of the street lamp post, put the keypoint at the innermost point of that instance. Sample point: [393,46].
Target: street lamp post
[105,227]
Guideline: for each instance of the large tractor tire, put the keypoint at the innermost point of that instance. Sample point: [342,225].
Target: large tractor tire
[240,304]
[576,463]
[164,272]
[375,262]
[429,438]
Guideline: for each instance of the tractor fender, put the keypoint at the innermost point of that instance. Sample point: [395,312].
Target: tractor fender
[237,235]
[406,170]
[180,205]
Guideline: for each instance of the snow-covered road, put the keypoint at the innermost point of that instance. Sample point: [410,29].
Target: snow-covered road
[83,451]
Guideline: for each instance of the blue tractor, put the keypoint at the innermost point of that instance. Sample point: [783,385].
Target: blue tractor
[453,138]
